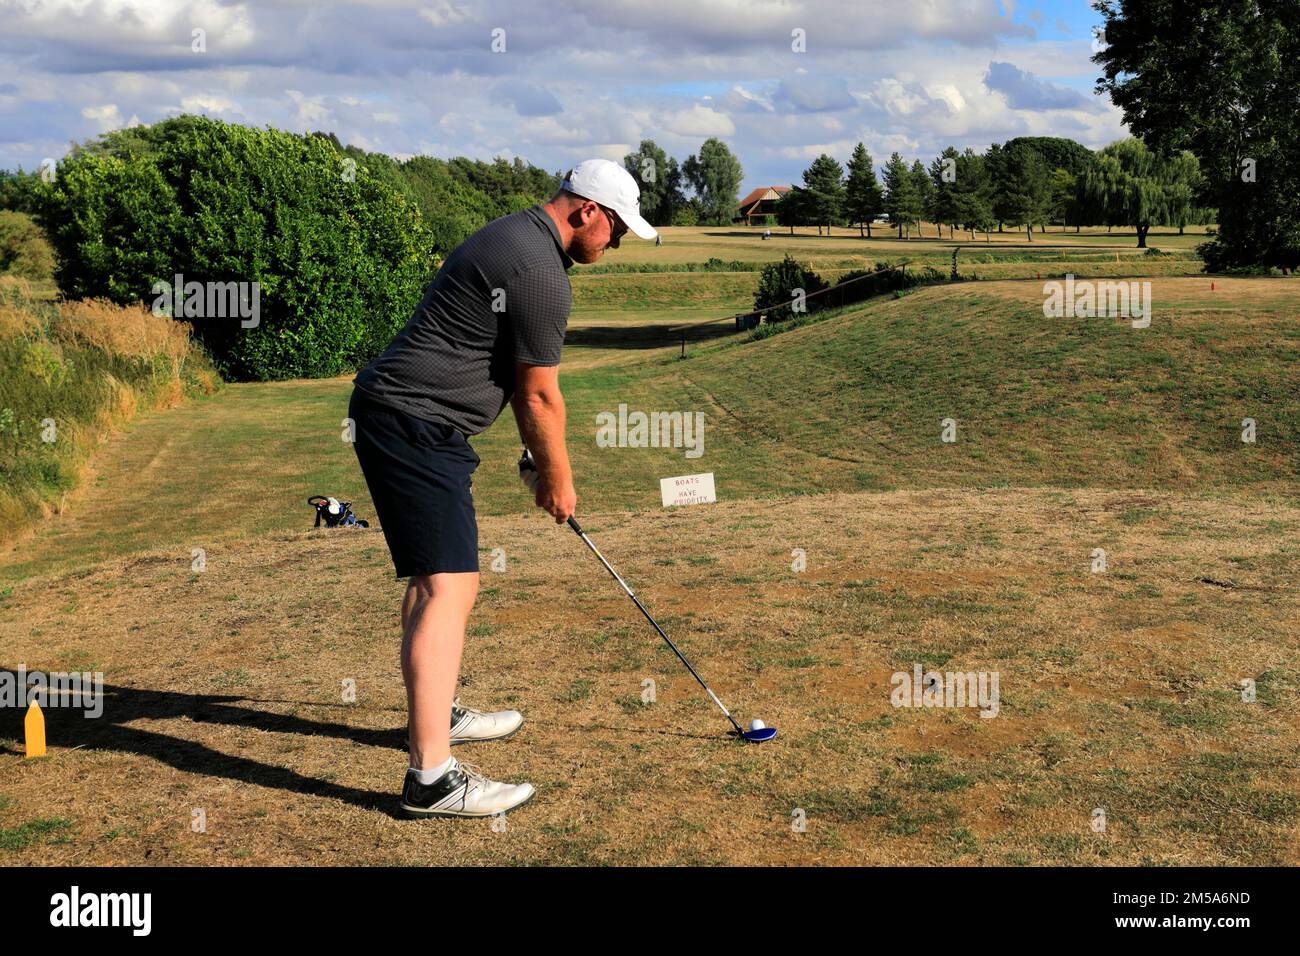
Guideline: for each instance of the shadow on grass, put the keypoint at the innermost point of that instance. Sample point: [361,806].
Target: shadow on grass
[65,725]
[126,705]
[646,336]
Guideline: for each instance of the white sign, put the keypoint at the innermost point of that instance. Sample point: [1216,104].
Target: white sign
[687,490]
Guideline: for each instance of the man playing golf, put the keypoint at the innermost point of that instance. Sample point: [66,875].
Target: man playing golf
[489,330]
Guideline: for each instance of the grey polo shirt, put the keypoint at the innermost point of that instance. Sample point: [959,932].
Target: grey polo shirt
[501,297]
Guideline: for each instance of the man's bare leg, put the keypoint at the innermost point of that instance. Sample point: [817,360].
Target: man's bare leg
[435,610]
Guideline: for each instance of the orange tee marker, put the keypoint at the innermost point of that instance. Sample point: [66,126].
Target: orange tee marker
[34,730]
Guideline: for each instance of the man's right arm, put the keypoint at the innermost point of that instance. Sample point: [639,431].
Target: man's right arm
[540,415]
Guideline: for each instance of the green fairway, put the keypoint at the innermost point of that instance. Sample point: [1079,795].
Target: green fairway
[854,402]
[699,243]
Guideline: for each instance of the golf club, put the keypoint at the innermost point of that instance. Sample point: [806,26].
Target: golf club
[758,732]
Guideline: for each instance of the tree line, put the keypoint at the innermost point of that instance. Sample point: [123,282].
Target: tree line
[1025,183]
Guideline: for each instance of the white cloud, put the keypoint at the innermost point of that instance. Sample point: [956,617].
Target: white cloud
[898,99]
[143,84]
[212,104]
[808,92]
[611,151]
[310,110]
[949,94]
[105,117]
[136,24]
[415,76]
[545,129]
[739,98]
[233,80]
[1023,90]
[697,121]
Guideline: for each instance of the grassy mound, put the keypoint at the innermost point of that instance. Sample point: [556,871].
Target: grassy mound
[858,400]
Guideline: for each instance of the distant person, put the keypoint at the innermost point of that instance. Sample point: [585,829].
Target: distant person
[659,239]
[489,330]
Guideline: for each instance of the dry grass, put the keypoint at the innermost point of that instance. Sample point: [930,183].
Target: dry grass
[16,318]
[1118,690]
[128,331]
[88,367]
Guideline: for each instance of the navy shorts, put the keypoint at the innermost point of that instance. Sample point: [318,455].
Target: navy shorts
[419,476]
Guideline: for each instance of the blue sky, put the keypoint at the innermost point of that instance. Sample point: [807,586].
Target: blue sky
[572,81]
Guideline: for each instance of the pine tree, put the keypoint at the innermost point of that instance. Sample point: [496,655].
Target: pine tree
[793,209]
[974,194]
[924,193]
[824,182]
[864,200]
[900,193]
[943,203]
[1024,188]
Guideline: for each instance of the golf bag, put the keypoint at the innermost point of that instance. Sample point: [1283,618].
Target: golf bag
[335,513]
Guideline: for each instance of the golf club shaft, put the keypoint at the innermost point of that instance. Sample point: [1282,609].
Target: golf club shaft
[635,600]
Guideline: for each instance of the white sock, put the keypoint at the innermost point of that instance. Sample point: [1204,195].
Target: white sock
[427,777]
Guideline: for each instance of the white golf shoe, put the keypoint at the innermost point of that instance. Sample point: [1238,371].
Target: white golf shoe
[472,726]
[462,792]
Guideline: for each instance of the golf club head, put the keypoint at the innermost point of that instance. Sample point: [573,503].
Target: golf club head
[758,736]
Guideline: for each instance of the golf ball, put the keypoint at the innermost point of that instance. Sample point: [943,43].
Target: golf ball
[757,725]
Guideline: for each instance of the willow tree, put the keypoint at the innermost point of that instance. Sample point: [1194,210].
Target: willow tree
[1133,186]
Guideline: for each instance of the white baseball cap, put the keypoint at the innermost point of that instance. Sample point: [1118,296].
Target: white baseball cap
[611,185]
